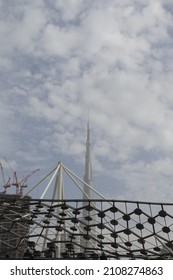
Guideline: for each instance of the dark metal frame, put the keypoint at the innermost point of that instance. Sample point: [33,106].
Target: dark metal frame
[90,229]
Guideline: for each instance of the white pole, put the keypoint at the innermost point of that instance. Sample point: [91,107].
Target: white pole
[58,194]
[46,189]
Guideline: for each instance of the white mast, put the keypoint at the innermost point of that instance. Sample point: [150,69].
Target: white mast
[88,167]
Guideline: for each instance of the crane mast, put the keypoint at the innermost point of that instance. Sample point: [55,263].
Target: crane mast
[21,184]
[6,184]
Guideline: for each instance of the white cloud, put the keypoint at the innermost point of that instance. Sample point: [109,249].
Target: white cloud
[69,9]
[58,41]
[58,58]
[21,28]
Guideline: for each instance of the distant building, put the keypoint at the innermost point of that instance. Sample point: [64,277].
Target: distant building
[13,228]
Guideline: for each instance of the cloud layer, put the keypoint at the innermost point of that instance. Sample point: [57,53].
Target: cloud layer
[59,58]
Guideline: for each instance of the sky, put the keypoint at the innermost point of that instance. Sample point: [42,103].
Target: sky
[61,58]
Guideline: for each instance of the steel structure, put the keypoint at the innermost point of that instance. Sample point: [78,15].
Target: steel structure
[57,227]
[122,229]
[84,227]
[11,244]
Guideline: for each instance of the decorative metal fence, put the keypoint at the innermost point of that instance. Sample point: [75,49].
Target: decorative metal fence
[91,229]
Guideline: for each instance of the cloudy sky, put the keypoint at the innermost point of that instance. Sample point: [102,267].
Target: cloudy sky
[60,57]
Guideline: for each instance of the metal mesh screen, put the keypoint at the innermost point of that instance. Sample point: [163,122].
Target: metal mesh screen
[96,229]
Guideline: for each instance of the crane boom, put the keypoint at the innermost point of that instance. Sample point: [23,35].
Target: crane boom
[27,177]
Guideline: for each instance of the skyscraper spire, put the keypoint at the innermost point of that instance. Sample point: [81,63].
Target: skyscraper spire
[88,166]
[88,193]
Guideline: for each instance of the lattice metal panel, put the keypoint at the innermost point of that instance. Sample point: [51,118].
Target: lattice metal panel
[12,243]
[95,229]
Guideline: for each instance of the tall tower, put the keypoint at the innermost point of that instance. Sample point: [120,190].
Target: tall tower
[87,195]
[88,167]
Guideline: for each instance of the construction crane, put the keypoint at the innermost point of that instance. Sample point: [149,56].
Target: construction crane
[22,184]
[6,184]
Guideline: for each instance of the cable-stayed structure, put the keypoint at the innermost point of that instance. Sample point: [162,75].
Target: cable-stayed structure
[113,229]
[89,226]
